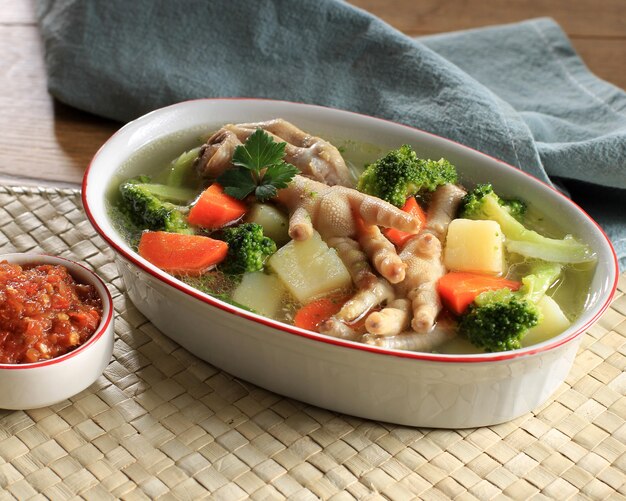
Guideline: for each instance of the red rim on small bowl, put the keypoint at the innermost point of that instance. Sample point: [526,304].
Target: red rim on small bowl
[470,358]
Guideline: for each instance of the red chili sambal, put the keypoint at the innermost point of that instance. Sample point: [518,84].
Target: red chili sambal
[44,312]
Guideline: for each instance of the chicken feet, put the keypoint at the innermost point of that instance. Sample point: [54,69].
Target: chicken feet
[422,255]
[342,214]
[348,221]
[313,156]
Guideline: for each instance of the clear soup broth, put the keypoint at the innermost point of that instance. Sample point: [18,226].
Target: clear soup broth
[570,291]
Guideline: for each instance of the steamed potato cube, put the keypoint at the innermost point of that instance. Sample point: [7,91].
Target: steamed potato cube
[274,221]
[554,322]
[309,268]
[474,246]
[260,292]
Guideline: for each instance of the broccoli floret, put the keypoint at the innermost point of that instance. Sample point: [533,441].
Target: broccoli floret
[483,203]
[498,324]
[147,210]
[498,320]
[517,208]
[401,174]
[248,248]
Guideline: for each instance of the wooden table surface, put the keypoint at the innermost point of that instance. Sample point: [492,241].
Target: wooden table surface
[43,141]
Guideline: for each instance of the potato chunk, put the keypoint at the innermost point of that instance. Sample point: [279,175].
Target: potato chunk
[474,246]
[274,221]
[260,292]
[309,268]
[554,322]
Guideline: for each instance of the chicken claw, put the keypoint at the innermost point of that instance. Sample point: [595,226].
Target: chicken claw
[443,207]
[381,253]
[332,209]
[374,293]
[355,260]
[313,156]
[390,321]
[348,221]
[414,341]
[339,212]
[423,256]
[372,290]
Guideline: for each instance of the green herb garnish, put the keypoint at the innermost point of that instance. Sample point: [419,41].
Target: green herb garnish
[258,167]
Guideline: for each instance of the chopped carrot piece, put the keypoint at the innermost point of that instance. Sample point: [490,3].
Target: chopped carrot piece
[312,314]
[398,237]
[215,208]
[459,289]
[181,254]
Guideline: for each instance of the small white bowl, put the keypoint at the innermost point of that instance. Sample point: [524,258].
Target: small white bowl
[39,384]
[419,389]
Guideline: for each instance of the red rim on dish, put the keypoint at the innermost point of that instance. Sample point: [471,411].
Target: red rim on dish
[488,357]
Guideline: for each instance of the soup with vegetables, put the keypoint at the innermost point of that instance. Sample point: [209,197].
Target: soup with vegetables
[380,247]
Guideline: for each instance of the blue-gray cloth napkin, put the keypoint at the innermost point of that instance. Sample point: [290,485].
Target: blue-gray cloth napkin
[518,92]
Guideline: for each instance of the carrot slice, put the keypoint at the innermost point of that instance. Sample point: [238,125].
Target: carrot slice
[181,254]
[398,237]
[459,289]
[312,314]
[215,208]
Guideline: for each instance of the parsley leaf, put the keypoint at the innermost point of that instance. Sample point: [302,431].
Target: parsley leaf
[259,151]
[280,174]
[237,183]
[258,167]
[265,192]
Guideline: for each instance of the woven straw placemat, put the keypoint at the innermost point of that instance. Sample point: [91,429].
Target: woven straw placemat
[161,423]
